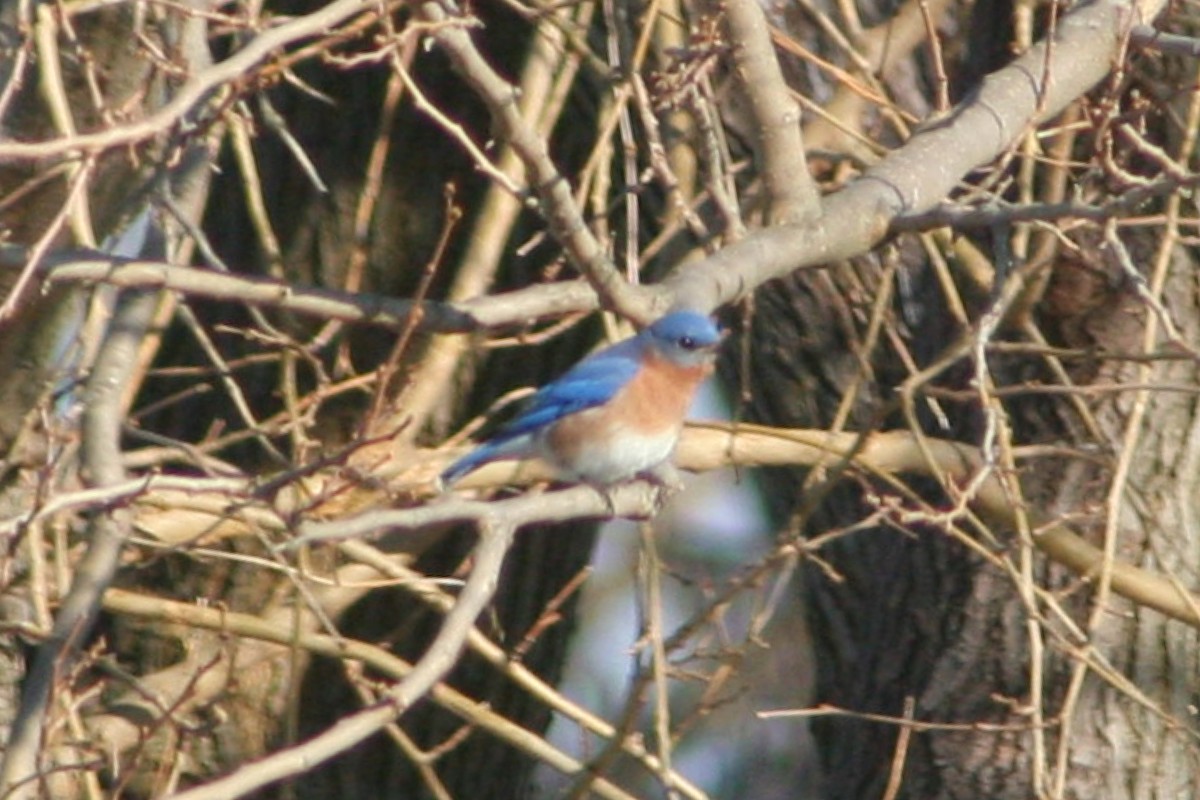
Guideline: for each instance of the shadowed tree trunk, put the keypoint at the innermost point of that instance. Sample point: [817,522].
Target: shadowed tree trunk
[913,615]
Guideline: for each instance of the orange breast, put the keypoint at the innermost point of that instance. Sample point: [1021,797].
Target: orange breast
[634,431]
[659,395]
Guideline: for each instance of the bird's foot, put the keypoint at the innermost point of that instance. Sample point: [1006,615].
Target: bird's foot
[606,495]
[667,480]
[666,477]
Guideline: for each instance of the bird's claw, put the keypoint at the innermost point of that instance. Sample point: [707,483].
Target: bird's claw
[605,493]
[666,477]
[667,480]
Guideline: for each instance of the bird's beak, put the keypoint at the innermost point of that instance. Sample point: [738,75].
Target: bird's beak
[715,346]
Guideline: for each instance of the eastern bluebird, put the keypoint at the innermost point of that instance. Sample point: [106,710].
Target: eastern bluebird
[614,415]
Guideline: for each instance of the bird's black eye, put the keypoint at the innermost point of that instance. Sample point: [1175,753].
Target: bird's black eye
[688,343]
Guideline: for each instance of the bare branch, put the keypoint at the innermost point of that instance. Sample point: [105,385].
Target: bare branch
[927,169]
[495,538]
[708,446]
[270,631]
[793,196]
[1151,38]
[199,88]
[634,500]
[549,71]
[520,307]
[898,452]
[101,467]
[553,189]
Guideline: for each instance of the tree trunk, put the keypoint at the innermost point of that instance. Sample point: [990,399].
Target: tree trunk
[918,616]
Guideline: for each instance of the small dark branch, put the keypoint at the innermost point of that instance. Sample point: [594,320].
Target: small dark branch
[961,217]
[941,81]
[1148,37]
[384,388]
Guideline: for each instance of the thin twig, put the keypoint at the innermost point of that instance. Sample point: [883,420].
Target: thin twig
[199,88]
[558,205]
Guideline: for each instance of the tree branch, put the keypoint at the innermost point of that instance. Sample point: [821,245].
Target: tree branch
[558,204]
[703,447]
[792,192]
[709,446]
[197,90]
[929,166]
[495,538]
[101,467]
[634,500]
[520,307]
[477,713]
[912,180]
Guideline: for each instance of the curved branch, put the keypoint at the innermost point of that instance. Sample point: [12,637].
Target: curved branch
[912,180]
[708,446]
[495,538]
[198,89]
[107,531]
[478,714]
[519,307]
[558,204]
[929,166]
[713,445]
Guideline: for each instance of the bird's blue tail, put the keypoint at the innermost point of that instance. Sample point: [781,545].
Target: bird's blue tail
[498,449]
[468,463]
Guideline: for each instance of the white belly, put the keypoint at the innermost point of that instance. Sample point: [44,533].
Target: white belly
[622,458]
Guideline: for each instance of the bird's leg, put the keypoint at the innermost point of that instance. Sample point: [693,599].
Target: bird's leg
[668,481]
[605,493]
[666,477]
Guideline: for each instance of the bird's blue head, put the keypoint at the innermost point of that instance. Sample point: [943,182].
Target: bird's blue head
[686,338]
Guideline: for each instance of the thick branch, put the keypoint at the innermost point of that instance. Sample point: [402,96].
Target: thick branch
[632,500]
[909,182]
[101,467]
[900,452]
[930,166]
[792,193]
[708,446]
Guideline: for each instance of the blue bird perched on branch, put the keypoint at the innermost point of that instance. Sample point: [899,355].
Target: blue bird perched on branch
[616,414]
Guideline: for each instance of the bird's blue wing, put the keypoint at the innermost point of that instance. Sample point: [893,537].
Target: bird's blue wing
[591,382]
